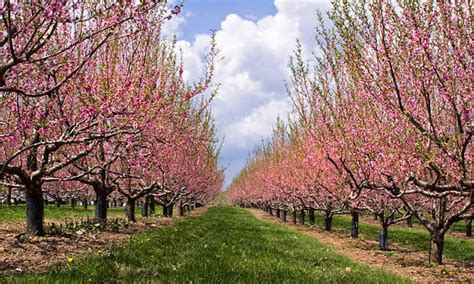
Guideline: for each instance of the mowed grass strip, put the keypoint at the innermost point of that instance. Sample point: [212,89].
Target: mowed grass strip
[224,245]
[417,238]
[51,212]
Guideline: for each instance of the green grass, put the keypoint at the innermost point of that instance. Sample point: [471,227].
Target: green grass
[416,238]
[224,245]
[51,212]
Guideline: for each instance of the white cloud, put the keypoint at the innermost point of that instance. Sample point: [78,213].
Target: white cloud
[251,129]
[251,74]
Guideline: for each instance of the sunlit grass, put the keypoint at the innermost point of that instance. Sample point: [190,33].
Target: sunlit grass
[225,245]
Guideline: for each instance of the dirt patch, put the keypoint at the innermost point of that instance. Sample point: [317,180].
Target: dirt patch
[406,262]
[40,253]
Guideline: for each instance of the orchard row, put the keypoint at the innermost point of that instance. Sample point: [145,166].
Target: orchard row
[382,121]
[93,105]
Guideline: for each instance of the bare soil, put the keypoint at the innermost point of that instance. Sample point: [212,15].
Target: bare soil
[403,261]
[35,254]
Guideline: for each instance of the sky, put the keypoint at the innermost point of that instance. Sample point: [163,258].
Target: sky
[255,39]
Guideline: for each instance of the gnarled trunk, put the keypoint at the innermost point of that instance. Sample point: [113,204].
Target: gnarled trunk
[302,216]
[312,219]
[152,206]
[34,210]
[355,222]
[100,214]
[436,247]
[383,238]
[328,220]
[9,196]
[58,202]
[468,227]
[84,203]
[130,210]
[145,205]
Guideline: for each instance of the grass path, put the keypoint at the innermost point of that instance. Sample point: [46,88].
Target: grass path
[224,245]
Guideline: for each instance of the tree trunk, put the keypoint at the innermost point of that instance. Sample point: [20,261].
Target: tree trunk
[152,206]
[130,210]
[100,215]
[278,213]
[181,211]
[375,217]
[436,248]
[302,216]
[312,219]
[355,222]
[34,210]
[73,203]
[294,217]
[58,202]
[145,205]
[84,203]
[9,196]
[328,222]
[409,222]
[383,238]
[468,227]
[270,210]
[170,210]
[283,218]
[165,211]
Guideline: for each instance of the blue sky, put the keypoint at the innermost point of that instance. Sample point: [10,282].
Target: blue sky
[204,15]
[255,39]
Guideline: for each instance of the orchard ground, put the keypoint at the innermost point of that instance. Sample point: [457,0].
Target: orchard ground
[228,244]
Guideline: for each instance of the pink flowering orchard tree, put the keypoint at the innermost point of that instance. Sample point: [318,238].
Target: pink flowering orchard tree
[414,60]
[388,109]
[54,125]
[50,42]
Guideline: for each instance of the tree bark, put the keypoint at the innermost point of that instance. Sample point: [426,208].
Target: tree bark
[328,223]
[383,238]
[34,210]
[312,219]
[270,210]
[100,215]
[278,213]
[284,215]
[130,210]
[84,203]
[181,211]
[145,205]
[73,203]
[436,248]
[355,222]
[9,196]
[152,206]
[58,202]
[302,216]
[294,217]
[409,222]
[468,227]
